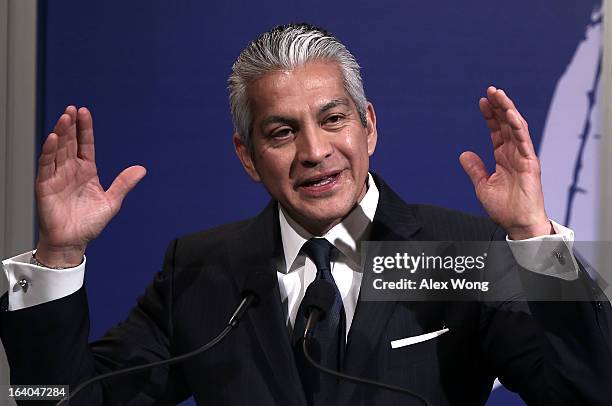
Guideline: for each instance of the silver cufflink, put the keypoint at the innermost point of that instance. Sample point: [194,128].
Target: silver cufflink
[22,284]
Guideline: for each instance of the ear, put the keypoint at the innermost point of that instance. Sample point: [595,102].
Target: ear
[372,132]
[245,157]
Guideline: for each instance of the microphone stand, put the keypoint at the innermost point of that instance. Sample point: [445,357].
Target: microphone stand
[242,308]
[313,318]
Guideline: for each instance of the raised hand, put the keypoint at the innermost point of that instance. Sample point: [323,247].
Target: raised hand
[512,195]
[73,207]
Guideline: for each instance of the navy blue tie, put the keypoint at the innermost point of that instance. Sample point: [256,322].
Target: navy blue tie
[328,342]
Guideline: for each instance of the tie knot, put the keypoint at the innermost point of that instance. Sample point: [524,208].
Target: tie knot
[319,251]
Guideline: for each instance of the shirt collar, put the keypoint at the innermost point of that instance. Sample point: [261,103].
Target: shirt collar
[345,236]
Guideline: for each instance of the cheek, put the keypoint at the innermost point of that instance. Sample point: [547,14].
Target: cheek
[273,165]
[356,148]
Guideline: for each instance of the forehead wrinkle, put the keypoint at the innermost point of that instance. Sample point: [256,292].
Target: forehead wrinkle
[294,88]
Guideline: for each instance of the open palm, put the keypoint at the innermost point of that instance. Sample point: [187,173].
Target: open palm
[73,208]
[512,195]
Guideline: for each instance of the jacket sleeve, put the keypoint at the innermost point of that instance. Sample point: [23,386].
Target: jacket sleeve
[550,351]
[48,344]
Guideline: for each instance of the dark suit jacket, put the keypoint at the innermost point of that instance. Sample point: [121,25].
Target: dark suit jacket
[550,353]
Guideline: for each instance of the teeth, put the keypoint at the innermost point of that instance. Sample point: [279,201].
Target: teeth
[322,182]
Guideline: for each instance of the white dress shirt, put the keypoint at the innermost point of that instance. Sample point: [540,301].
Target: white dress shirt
[50,284]
[346,266]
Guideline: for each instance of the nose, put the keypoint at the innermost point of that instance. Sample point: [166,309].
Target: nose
[314,145]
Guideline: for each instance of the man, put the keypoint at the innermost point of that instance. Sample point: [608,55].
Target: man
[306,131]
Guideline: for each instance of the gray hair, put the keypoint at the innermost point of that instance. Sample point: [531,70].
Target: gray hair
[286,47]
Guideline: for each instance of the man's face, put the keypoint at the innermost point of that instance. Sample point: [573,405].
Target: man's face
[310,148]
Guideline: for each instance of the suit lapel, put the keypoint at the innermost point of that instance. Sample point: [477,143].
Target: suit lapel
[260,249]
[394,221]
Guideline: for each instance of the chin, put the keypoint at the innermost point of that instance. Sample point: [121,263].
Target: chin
[325,215]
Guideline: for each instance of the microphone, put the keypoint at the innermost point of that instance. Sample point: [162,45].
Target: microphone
[258,283]
[318,299]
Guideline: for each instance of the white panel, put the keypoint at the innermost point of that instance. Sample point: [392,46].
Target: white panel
[17,134]
[606,143]
[3,123]
[21,125]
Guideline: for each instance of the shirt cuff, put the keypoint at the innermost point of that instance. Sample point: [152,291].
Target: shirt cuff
[30,285]
[550,255]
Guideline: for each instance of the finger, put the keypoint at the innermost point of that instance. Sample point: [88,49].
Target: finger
[61,129]
[487,112]
[506,103]
[46,162]
[506,133]
[58,124]
[71,141]
[491,91]
[496,140]
[123,183]
[492,123]
[520,135]
[85,136]
[494,103]
[474,167]
[496,96]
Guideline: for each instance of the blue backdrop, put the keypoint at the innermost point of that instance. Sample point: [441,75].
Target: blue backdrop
[154,75]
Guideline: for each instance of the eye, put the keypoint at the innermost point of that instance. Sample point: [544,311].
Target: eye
[281,133]
[334,118]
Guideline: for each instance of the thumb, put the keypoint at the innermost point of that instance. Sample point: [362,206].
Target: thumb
[474,167]
[123,184]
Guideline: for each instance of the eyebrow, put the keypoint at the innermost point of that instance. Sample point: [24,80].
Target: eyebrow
[279,119]
[293,122]
[334,103]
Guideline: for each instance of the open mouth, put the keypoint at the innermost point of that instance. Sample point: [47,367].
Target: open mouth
[321,182]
